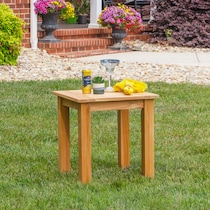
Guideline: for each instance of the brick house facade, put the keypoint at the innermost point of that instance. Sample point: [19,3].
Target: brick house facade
[22,9]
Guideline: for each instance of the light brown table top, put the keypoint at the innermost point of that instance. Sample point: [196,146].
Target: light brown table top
[79,97]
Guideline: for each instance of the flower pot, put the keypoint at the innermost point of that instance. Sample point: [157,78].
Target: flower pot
[82,19]
[98,88]
[49,24]
[118,35]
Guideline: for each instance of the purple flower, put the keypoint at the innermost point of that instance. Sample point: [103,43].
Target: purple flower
[123,16]
[48,6]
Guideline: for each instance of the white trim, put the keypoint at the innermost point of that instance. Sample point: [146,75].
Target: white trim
[95,10]
[33,26]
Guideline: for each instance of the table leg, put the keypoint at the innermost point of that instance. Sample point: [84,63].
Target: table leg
[123,139]
[148,138]
[84,134]
[63,137]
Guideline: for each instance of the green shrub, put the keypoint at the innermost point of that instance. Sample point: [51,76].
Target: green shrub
[11,33]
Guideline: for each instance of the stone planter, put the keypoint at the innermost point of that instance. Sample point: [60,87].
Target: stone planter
[49,24]
[118,35]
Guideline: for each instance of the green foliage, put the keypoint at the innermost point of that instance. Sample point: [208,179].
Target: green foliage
[81,7]
[30,179]
[168,33]
[98,79]
[11,33]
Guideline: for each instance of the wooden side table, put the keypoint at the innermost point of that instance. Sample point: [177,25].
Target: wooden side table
[85,104]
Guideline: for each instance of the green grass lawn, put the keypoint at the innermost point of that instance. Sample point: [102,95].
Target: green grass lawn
[29,174]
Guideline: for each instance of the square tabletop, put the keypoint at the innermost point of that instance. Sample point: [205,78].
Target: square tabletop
[79,97]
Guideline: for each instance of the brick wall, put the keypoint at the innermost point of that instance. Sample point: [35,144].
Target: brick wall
[22,9]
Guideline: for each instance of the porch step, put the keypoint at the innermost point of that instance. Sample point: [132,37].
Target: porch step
[81,42]
[76,45]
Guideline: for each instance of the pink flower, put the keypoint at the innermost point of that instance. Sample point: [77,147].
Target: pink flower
[123,16]
[48,6]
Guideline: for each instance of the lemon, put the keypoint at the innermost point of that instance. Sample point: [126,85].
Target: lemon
[128,90]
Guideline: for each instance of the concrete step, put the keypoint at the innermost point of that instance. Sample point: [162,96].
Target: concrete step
[80,54]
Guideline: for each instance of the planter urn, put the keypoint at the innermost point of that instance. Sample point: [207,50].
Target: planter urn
[49,24]
[118,35]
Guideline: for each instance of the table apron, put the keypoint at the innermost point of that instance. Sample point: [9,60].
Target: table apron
[69,103]
[116,105]
[105,106]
